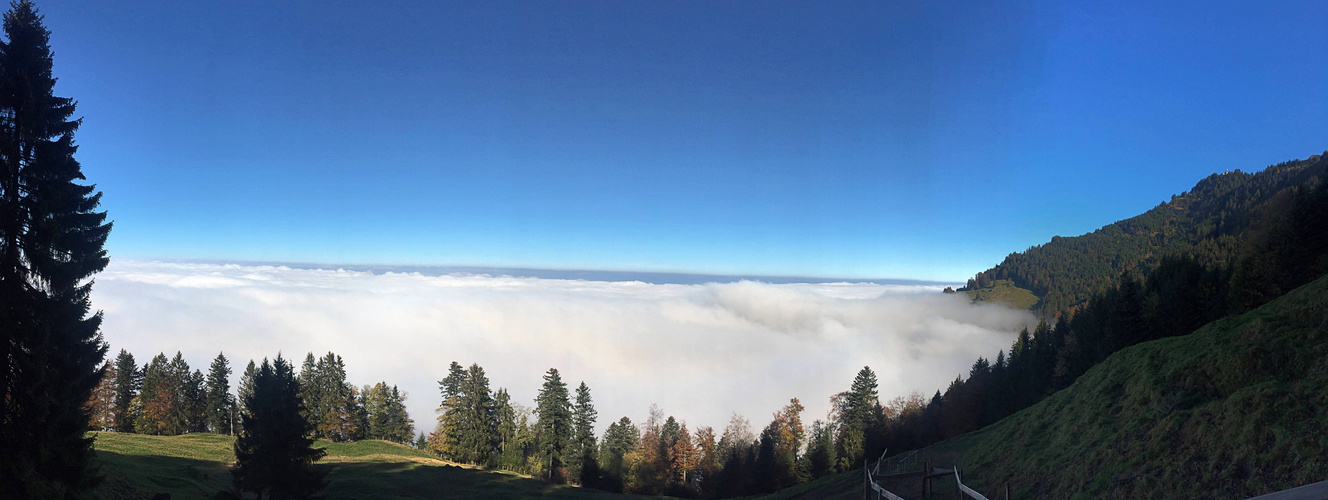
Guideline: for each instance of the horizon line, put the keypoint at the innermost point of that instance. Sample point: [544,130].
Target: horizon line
[608,275]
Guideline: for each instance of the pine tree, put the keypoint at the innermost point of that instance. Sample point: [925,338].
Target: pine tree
[476,417]
[399,424]
[620,439]
[331,401]
[583,449]
[510,451]
[310,391]
[195,403]
[128,380]
[387,419]
[273,453]
[446,440]
[187,391]
[157,399]
[51,243]
[220,402]
[554,411]
[244,392]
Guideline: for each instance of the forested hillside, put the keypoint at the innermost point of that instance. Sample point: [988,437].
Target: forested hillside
[1230,411]
[1213,224]
[1252,239]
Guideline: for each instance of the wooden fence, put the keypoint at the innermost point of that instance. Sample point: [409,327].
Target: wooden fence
[1313,491]
[925,475]
[966,490]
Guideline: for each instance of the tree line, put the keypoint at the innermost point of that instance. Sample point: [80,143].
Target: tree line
[555,439]
[163,397]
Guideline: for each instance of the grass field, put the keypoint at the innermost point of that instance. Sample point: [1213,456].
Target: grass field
[1005,292]
[1236,409]
[197,466]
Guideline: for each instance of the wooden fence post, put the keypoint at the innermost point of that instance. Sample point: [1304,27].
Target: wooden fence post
[957,482]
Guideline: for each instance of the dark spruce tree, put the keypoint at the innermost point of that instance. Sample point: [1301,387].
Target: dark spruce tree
[477,422]
[583,447]
[220,402]
[128,379]
[554,411]
[51,240]
[244,392]
[273,456]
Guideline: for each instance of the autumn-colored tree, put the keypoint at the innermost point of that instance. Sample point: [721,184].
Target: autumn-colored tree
[101,406]
[777,460]
[707,454]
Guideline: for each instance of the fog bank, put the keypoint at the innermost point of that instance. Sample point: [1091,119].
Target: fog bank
[699,351]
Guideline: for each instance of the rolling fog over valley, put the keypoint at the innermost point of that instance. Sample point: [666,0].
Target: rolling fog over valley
[554,250]
[699,352]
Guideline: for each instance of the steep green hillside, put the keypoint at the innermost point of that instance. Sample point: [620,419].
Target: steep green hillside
[1236,409]
[197,466]
[1210,222]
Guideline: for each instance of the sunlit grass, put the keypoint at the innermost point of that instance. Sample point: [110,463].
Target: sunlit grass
[197,466]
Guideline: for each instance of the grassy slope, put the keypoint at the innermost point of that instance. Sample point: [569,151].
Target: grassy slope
[1238,408]
[1005,292]
[196,466]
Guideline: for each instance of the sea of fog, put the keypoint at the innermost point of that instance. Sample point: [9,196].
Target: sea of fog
[699,347]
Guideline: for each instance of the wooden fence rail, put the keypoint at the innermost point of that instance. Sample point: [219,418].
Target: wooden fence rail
[1313,491]
[966,490]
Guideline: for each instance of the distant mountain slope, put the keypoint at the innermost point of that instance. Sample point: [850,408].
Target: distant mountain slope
[1236,409]
[1209,223]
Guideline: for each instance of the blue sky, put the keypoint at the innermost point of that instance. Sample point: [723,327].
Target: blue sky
[861,140]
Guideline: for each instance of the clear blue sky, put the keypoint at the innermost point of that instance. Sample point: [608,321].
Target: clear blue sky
[878,139]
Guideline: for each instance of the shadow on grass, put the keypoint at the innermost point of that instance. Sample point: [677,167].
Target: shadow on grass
[137,476]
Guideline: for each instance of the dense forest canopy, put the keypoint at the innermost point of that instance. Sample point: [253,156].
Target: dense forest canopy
[1210,224]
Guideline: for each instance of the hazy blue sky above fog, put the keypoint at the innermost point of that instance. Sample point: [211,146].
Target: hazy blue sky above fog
[919,140]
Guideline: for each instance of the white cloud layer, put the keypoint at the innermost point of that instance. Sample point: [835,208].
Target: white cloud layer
[700,352]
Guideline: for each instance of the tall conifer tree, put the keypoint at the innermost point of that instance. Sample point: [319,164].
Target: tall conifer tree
[477,422]
[220,402]
[128,378]
[273,454]
[555,423]
[51,243]
[446,440]
[583,464]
